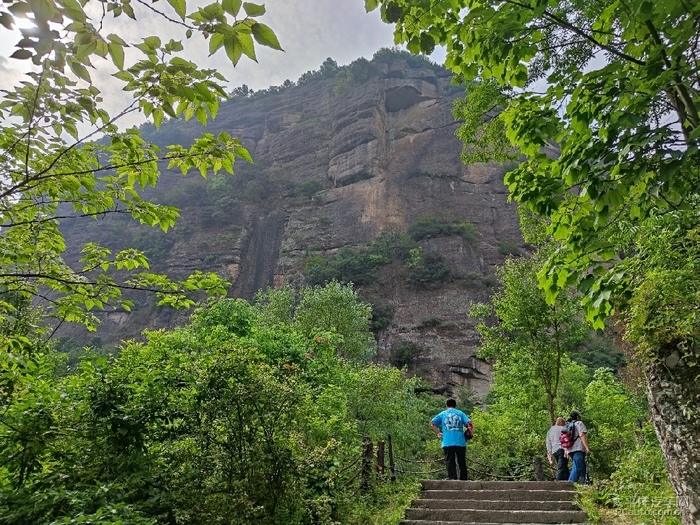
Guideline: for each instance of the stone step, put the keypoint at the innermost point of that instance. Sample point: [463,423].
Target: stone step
[495,516]
[421,522]
[454,484]
[505,495]
[468,502]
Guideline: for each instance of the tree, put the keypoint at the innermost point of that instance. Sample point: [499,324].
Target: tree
[332,313]
[615,85]
[530,335]
[62,155]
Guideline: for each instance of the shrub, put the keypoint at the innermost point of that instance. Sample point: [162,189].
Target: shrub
[403,352]
[430,226]
[427,269]
[381,315]
[508,247]
[308,188]
[358,265]
[388,55]
[637,493]
[430,322]
[358,72]
[348,265]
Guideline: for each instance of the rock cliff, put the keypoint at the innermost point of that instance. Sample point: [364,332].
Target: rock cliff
[339,161]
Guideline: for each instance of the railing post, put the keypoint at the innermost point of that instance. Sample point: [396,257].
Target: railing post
[539,473]
[392,469]
[366,463]
[380,458]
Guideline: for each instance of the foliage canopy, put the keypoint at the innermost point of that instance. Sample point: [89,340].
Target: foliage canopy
[62,154]
[620,98]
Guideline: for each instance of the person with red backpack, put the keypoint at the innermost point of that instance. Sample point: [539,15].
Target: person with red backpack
[574,440]
[449,425]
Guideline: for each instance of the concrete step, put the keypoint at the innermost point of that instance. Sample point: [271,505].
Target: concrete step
[452,502]
[454,484]
[421,522]
[495,516]
[484,504]
[505,495]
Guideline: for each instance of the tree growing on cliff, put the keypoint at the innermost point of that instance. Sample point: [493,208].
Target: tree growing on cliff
[620,95]
[53,166]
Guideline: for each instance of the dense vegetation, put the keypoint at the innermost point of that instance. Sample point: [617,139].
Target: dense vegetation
[614,84]
[253,412]
[248,413]
[425,268]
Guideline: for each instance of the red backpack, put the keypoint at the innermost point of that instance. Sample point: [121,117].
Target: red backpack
[568,436]
[469,433]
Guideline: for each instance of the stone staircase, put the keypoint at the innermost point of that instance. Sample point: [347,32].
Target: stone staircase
[451,502]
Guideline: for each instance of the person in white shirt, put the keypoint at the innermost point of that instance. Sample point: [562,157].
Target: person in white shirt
[554,450]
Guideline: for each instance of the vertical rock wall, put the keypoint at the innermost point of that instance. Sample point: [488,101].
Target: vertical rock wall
[382,154]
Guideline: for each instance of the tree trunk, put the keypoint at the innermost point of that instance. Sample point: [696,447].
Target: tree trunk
[674,402]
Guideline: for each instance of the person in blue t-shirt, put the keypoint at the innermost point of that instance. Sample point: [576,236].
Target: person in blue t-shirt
[449,425]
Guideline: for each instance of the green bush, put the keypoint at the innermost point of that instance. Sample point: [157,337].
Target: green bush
[637,493]
[381,315]
[430,322]
[403,352]
[428,269]
[508,247]
[348,265]
[356,73]
[308,188]
[389,55]
[430,226]
[611,415]
[248,414]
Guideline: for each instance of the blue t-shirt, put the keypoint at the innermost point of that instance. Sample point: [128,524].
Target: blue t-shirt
[452,423]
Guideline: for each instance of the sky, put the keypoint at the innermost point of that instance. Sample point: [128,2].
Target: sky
[308,30]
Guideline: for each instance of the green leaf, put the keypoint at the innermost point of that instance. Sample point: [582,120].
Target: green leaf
[180,7]
[22,54]
[7,20]
[371,5]
[254,9]
[116,39]
[232,7]
[73,10]
[233,50]
[19,9]
[117,53]
[201,115]
[265,36]
[152,42]
[158,117]
[124,75]
[79,70]
[246,44]
[45,10]
[215,42]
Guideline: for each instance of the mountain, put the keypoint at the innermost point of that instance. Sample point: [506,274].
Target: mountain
[357,175]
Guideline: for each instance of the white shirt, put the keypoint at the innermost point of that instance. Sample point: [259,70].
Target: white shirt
[578,444]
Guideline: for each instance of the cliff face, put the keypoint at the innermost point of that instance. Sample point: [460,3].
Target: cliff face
[338,162]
